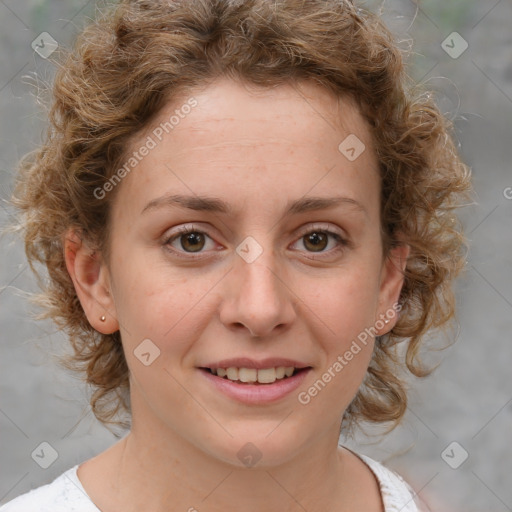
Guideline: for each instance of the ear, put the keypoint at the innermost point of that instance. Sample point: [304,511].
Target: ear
[391,282]
[91,279]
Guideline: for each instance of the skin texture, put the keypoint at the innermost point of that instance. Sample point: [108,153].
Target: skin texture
[258,150]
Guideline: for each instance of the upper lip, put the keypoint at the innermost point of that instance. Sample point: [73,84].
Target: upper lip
[247,362]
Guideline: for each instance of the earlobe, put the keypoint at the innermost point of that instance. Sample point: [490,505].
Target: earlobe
[392,280]
[91,280]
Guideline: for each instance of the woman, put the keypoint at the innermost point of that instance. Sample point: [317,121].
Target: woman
[243,208]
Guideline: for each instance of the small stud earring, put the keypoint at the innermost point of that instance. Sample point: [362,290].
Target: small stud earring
[386,321]
[103,318]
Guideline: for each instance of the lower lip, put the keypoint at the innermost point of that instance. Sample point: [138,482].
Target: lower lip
[257,393]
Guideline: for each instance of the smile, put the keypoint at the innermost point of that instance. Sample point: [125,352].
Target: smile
[251,375]
[253,386]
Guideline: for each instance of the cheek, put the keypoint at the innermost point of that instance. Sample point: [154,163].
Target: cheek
[153,304]
[346,313]
[346,303]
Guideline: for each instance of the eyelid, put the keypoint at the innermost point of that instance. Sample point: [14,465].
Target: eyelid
[183,230]
[343,242]
[341,238]
[189,227]
[322,227]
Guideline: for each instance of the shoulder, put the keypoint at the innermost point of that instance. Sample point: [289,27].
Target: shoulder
[64,494]
[397,494]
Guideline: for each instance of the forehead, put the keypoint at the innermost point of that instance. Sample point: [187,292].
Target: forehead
[274,114]
[231,137]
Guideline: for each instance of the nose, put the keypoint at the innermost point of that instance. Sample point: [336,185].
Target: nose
[258,297]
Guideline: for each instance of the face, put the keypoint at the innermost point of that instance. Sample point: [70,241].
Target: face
[246,238]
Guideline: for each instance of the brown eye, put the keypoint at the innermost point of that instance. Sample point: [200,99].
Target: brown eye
[192,242]
[316,241]
[320,242]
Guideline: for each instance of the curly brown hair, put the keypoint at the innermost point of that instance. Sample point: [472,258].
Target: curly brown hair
[140,54]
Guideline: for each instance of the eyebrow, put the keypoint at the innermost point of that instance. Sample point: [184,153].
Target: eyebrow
[216,205]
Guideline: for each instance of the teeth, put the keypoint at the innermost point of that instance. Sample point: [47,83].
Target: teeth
[232,373]
[248,374]
[267,375]
[263,375]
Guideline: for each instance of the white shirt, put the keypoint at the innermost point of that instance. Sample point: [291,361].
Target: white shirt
[66,493]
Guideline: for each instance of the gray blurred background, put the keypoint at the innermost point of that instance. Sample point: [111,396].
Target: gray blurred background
[463,410]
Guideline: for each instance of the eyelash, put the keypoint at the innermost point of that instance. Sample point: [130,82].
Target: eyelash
[187,229]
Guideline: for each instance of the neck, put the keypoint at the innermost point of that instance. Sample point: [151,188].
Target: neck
[159,468]
[163,472]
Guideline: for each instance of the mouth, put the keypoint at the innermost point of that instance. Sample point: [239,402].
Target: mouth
[255,376]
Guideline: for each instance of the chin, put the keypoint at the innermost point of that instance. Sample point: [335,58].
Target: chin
[256,451]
